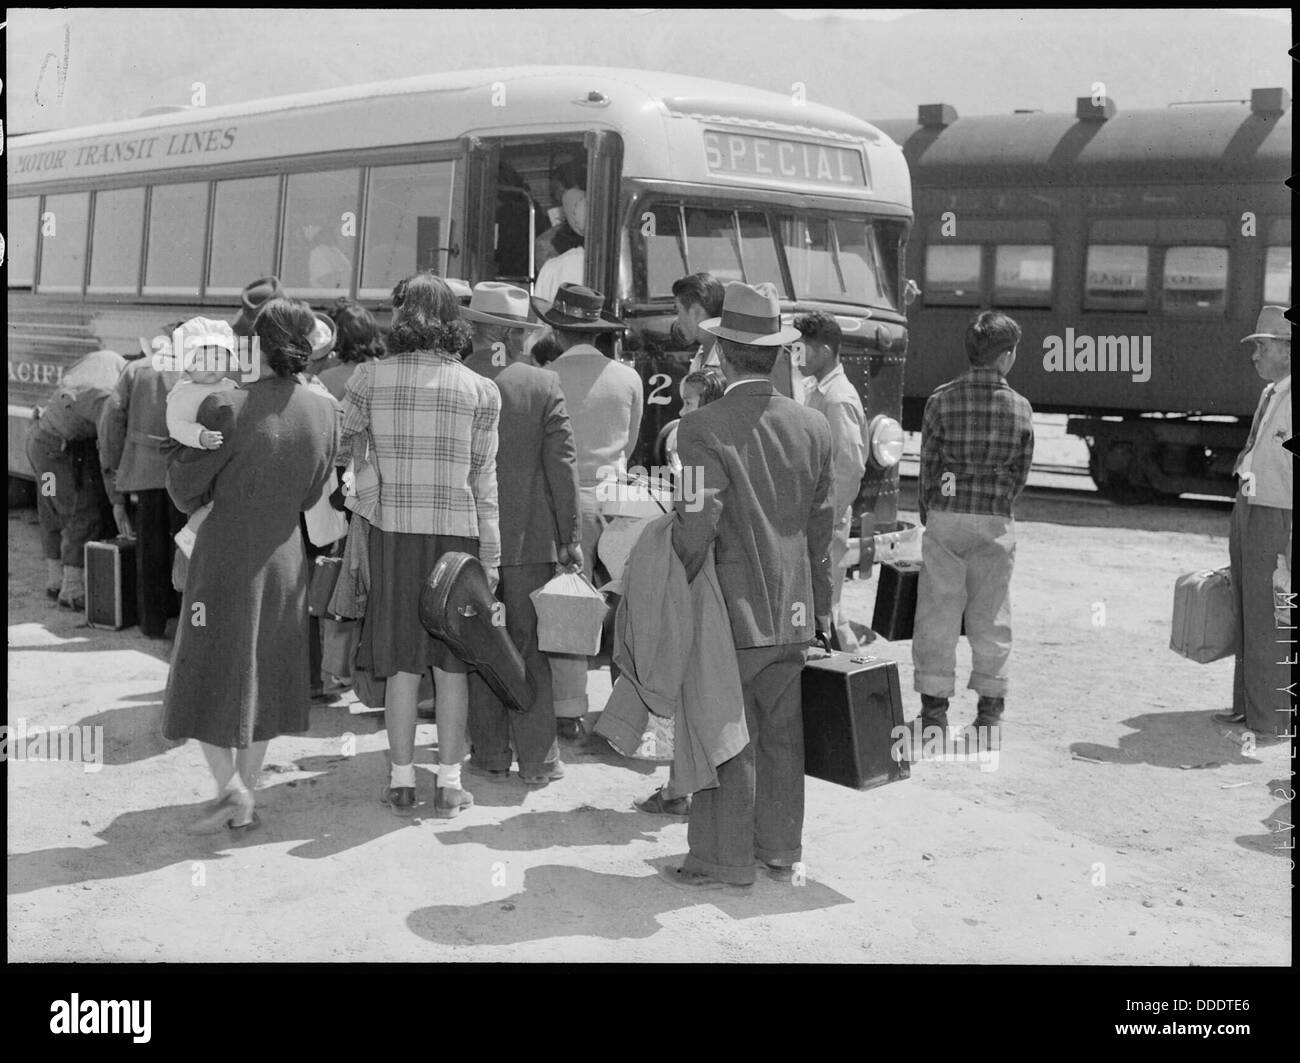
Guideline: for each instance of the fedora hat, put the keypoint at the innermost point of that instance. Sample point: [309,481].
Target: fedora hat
[322,336]
[577,309]
[750,316]
[1272,325]
[498,303]
[251,300]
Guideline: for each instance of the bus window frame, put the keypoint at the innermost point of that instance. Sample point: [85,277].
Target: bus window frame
[639,193]
[276,238]
[36,245]
[134,291]
[173,297]
[64,291]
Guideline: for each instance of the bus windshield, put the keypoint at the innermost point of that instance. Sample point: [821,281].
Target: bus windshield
[832,258]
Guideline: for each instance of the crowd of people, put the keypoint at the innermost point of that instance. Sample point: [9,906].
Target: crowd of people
[489,428]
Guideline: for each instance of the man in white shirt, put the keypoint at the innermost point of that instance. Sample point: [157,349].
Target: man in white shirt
[837,400]
[698,297]
[1259,543]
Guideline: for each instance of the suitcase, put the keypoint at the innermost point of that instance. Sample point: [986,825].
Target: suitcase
[110,584]
[894,617]
[851,707]
[1204,626]
[457,607]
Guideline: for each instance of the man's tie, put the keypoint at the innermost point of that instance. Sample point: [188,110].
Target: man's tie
[1254,425]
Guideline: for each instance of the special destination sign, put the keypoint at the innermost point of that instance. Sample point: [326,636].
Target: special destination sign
[782,161]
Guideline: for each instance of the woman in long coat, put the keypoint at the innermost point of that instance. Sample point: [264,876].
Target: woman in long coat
[239,674]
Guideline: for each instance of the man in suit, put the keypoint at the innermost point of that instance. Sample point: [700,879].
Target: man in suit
[765,501]
[1259,545]
[604,398]
[134,425]
[537,484]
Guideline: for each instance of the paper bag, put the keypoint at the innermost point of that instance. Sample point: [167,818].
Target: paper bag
[570,614]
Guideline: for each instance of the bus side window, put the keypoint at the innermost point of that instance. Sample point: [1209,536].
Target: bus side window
[118,235]
[63,245]
[408,221]
[21,235]
[178,216]
[243,233]
[320,233]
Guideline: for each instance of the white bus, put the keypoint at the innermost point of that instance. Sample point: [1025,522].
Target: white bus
[116,230]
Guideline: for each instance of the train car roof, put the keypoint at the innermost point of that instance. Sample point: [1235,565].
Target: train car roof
[1212,142]
[471,102]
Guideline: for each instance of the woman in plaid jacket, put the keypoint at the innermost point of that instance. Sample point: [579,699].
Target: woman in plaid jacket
[430,486]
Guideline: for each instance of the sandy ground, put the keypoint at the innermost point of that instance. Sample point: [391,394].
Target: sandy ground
[1122,826]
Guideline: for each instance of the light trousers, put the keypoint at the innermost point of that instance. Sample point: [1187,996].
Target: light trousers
[966,563]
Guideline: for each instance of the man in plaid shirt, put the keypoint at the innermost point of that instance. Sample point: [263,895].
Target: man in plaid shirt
[977,443]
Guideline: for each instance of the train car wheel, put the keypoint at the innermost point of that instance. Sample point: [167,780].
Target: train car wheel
[1110,468]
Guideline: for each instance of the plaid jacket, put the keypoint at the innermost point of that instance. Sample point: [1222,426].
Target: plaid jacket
[430,424]
[980,431]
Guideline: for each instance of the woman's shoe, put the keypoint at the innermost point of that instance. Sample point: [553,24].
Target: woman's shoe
[253,823]
[234,810]
[549,773]
[449,803]
[401,799]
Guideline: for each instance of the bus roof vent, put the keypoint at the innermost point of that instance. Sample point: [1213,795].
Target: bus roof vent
[936,115]
[166,108]
[1269,102]
[1087,109]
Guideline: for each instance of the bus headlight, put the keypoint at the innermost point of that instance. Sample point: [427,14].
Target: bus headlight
[886,437]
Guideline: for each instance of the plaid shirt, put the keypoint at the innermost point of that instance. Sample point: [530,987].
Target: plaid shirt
[431,426]
[982,432]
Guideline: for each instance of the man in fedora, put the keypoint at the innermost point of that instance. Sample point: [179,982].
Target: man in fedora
[764,470]
[250,302]
[604,399]
[537,484]
[1259,542]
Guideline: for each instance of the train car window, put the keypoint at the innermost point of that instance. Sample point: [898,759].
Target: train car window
[63,243]
[662,234]
[118,234]
[320,233]
[243,233]
[1022,275]
[1277,276]
[1195,280]
[712,244]
[759,250]
[1116,277]
[408,215]
[20,240]
[178,218]
[952,274]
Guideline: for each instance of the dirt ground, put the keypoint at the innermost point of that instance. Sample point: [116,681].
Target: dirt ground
[1122,826]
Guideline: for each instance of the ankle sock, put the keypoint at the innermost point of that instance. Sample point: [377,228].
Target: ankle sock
[401,775]
[449,776]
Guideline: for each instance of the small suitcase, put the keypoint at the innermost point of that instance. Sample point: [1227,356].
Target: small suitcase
[894,617]
[851,707]
[1204,626]
[110,584]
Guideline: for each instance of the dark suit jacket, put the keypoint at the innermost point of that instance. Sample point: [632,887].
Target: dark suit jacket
[763,487]
[537,472]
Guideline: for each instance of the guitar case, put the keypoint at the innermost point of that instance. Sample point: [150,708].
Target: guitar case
[457,607]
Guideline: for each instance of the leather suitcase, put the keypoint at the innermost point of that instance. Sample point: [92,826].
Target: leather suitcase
[110,584]
[894,617]
[851,705]
[1204,626]
[457,607]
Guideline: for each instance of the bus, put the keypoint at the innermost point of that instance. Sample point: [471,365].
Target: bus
[1135,249]
[118,229]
